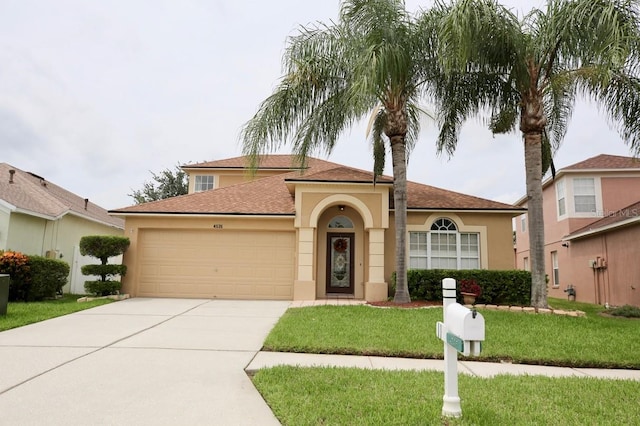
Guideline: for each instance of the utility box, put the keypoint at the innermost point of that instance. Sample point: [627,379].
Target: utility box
[4,293]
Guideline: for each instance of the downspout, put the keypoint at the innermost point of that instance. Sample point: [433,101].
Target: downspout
[606,268]
[44,236]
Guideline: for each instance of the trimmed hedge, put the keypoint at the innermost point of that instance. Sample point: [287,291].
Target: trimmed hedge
[511,287]
[48,276]
[104,270]
[103,288]
[33,277]
[103,246]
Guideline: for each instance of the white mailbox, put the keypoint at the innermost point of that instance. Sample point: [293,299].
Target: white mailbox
[464,323]
[463,329]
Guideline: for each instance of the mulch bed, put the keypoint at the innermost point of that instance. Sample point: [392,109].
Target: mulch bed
[411,305]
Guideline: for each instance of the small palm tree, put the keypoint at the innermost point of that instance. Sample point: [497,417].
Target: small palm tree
[374,62]
[527,73]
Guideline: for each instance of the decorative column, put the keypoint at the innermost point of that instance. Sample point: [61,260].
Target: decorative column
[376,289]
[304,288]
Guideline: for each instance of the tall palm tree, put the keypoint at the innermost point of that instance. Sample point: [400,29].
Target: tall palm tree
[529,72]
[374,62]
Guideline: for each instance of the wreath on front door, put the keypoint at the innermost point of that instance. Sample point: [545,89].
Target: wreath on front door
[340,245]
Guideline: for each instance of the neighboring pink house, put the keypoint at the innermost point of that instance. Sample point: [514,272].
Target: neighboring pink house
[592,231]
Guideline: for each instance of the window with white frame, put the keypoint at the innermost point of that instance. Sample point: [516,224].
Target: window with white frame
[584,195]
[560,195]
[526,263]
[523,223]
[443,247]
[203,183]
[556,269]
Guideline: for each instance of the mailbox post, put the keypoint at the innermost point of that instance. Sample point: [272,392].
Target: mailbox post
[462,331]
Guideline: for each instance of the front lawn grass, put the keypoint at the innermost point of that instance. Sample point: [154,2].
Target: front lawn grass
[349,396]
[23,313]
[591,341]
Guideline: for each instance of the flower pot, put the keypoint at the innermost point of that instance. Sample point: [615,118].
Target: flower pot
[469,298]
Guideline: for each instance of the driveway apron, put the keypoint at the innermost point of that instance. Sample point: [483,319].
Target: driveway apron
[138,362]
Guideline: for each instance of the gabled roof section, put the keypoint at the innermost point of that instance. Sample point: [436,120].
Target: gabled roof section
[425,197]
[278,162]
[272,195]
[338,174]
[266,196]
[606,162]
[33,195]
[623,217]
[599,163]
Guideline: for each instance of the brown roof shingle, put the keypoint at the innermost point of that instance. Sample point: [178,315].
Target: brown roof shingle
[270,195]
[605,161]
[33,194]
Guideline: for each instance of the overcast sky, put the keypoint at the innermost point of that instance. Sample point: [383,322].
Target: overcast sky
[95,94]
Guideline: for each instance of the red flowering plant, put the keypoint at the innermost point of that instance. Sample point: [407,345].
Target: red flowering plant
[16,265]
[470,287]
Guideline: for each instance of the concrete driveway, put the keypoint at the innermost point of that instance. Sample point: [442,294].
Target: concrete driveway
[138,362]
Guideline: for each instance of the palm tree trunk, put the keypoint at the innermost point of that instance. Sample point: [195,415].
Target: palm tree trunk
[399,158]
[533,167]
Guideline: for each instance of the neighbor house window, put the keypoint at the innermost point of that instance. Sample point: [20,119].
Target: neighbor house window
[443,247]
[203,183]
[562,205]
[523,223]
[526,263]
[556,270]
[584,195]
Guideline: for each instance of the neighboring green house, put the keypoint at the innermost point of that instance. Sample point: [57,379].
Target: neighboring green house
[41,218]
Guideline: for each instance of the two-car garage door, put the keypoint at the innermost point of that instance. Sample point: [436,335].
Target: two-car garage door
[215,264]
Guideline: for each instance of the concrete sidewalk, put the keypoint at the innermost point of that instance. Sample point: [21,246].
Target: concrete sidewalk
[138,362]
[480,369]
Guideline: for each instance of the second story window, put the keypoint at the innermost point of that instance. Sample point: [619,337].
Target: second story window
[203,183]
[584,195]
[562,204]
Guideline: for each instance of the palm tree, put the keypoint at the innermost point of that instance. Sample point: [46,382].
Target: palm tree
[374,62]
[529,72]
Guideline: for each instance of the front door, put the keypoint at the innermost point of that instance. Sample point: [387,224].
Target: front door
[340,263]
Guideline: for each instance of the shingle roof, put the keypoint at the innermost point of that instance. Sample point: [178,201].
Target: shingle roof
[270,195]
[630,213]
[33,194]
[266,162]
[421,196]
[605,161]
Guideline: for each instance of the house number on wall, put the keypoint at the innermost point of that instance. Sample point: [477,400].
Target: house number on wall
[217,226]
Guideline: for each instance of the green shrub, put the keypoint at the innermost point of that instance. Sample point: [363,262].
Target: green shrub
[625,311]
[48,276]
[104,271]
[16,265]
[102,288]
[103,246]
[512,287]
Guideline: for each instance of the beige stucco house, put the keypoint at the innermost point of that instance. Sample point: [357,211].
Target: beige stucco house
[592,231]
[289,232]
[38,217]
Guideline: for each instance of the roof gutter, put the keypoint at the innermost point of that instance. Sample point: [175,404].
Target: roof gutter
[212,214]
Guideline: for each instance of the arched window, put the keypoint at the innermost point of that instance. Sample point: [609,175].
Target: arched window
[340,222]
[443,247]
